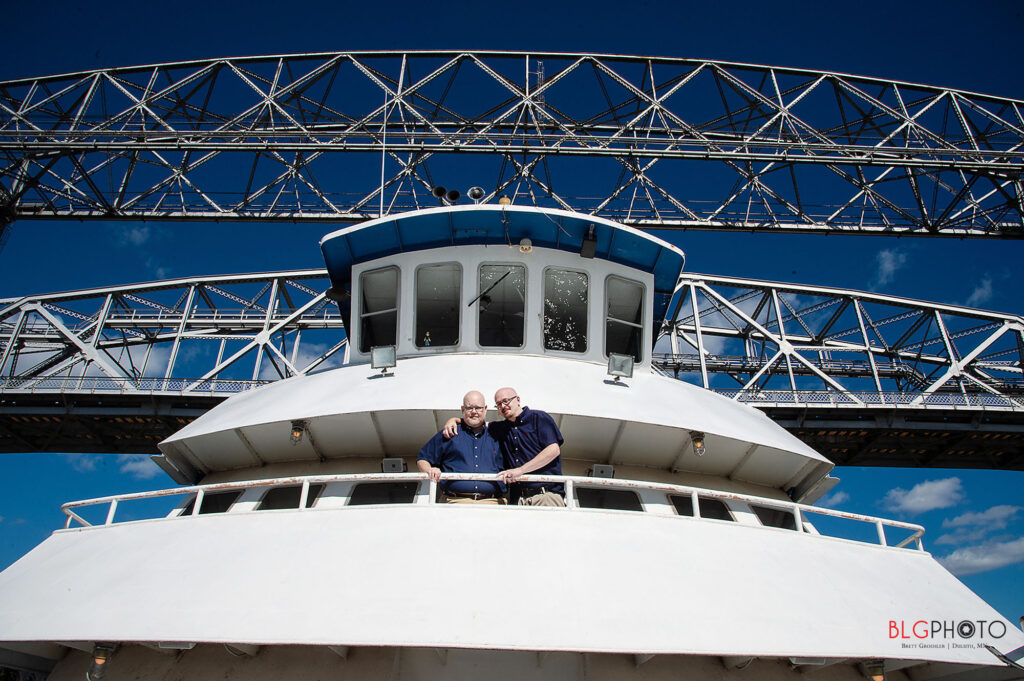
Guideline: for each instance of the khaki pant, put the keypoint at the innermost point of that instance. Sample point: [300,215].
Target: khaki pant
[543,499]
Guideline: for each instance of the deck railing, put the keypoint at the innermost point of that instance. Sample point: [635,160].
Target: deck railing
[799,512]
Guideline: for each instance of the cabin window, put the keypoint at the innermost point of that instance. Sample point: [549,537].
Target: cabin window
[438,296]
[213,502]
[502,305]
[774,517]
[279,498]
[624,331]
[614,499]
[368,493]
[711,508]
[378,319]
[565,310]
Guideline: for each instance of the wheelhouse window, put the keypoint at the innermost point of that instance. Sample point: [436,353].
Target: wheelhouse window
[711,508]
[624,332]
[368,493]
[614,499]
[565,310]
[278,498]
[774,517]
[213,502]
[502,305]
[378,315]
[438,296]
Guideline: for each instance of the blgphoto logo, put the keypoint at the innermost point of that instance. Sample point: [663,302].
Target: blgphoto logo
[959,633]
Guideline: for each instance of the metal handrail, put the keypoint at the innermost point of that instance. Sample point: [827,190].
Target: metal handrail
[570,481]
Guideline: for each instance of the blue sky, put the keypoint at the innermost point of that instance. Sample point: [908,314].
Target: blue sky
[974,519]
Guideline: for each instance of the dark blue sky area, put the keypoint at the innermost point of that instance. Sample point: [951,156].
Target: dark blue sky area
[971,46]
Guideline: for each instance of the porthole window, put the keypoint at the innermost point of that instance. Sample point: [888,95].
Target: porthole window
[624,331]
[565,310]
[378,314]
[711,508]
[438,297]
[501,305]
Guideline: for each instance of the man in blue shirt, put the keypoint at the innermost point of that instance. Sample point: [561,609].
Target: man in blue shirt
[530,442]
[471,450]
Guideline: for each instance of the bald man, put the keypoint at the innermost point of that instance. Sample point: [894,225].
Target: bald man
[471,450]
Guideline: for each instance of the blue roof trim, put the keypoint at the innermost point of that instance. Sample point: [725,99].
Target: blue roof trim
[491,224]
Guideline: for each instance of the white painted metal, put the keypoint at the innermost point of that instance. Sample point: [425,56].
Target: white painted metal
[412,402]
[348,577]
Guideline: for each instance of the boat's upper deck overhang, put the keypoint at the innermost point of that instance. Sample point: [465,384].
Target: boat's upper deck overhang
[487,224]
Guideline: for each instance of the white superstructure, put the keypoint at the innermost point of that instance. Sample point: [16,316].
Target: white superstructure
[301,544]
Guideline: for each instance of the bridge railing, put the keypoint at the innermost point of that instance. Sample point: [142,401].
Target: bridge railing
[654,498]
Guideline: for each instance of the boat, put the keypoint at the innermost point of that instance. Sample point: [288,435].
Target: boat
[301,540]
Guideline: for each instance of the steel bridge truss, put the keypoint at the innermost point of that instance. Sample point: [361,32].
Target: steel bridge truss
[649,142]
[118,369]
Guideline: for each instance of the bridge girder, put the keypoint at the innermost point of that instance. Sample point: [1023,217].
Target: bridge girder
[867,379]
[658,143]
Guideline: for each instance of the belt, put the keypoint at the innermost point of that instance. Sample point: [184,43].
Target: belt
[475,496]
[528,492]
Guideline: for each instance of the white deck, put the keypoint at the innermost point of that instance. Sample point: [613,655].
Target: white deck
[477,577]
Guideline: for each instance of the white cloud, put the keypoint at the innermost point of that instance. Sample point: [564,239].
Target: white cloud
[136,236]
[139,466]
[971,560]
[994,518]
[833,500]
[982,293]
[83,463]
[925,496]
[970,528]
[889,261]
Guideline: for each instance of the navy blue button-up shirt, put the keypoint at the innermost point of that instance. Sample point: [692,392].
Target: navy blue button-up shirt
[467,452]
[525,438]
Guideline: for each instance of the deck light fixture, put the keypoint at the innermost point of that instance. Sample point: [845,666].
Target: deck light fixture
[298,428]
[697,438]
[475,193]
[588,249]
[620,366]
[525,245]
[383,357]
[101,653]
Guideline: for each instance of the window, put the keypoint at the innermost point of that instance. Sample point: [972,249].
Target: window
[383,493]
[214,502]
[565,310]
[378,319]
[624,332]
[774,517]
[438,297]
[279,498]
[502,305]
[714,509]
[614,499]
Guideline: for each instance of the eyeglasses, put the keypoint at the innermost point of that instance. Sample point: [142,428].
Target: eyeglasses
[505,402]
[475,407]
